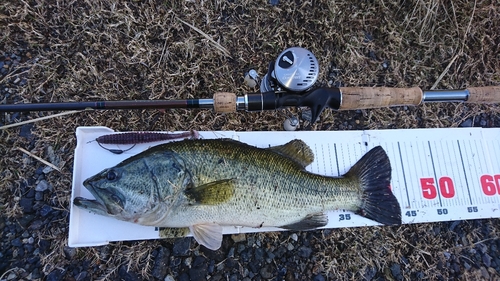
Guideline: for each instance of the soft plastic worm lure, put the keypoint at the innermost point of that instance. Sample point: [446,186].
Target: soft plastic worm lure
[141,137]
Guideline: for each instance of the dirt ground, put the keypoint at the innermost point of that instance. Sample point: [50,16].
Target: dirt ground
[61,51]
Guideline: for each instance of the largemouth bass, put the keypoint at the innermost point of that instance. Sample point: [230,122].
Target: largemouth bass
[198,186]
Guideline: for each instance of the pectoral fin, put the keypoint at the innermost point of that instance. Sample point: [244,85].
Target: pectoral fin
[311,221]
[296,150]
[208,235]
[212,193]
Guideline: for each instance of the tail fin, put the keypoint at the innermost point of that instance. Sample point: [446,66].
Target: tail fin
[373,171]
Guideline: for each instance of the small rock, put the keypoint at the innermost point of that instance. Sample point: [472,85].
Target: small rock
[35,274]
[454,225]
[42,186]
[24,221]
[253,266]
[25,131]
[259,254]
[304,252]
[487,260]
[81,276]
[47,169]
[238,237]
[294,237]
[266,272]
[125,275]
[484,273]
[169,278]
[290,247]
[55,275]
[36,225]
[370,272]
[11,276]
[38,196]
[16,242]
[26,204]
[319,277]
[69,252]
[161,263]
[175,262]
[199,269]
[211,267]
[45,210]
[241,248]
[231,253]
[466,123]
[181,247]
[184,277]
[396,271]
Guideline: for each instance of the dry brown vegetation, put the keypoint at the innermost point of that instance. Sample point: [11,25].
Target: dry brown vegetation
[120,50]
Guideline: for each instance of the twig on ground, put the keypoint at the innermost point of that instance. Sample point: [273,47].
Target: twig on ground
[217,45]
[39,159]
[40,119]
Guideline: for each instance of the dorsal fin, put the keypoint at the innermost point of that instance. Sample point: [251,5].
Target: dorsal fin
[297,151]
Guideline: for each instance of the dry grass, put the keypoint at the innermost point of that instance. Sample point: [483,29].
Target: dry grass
[114,50]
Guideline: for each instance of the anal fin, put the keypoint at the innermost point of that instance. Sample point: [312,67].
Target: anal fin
[311,221]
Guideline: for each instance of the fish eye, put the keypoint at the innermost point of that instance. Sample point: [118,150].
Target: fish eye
[111,175]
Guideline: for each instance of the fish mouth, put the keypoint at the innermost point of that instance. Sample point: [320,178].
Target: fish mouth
[106,202]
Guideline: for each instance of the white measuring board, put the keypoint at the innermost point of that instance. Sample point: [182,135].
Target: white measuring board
[437,175]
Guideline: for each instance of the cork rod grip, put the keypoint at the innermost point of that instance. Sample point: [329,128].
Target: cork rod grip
[368,97]
[484,94]
[224,102]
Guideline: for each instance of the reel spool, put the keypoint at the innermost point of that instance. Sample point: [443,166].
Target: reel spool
[295,70]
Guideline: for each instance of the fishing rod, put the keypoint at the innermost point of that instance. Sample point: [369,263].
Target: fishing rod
[289,82]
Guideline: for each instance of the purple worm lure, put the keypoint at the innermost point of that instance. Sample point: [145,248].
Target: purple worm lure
[141,137]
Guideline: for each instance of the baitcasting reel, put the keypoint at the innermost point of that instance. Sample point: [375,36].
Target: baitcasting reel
[295,70]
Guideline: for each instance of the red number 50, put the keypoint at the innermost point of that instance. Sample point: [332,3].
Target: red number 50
[445,184]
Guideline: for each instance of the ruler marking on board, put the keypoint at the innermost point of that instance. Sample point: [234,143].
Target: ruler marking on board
[465,173]
[435,175]
[324,158]
[466,149]
[315,158]
[421,202]
[336,158]
[330,158]
[465,192]
[404,176]
[409,180]
[481,165]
